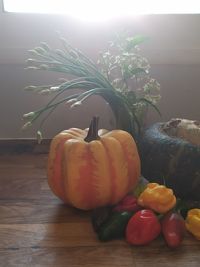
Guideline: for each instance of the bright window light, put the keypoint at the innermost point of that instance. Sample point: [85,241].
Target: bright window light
[103,9]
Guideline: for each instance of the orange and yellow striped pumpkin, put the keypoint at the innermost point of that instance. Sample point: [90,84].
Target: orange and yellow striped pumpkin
[90,168]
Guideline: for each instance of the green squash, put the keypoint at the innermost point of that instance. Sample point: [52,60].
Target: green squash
[170,154]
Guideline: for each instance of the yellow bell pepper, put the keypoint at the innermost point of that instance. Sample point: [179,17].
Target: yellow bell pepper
[157,197]
[192,222]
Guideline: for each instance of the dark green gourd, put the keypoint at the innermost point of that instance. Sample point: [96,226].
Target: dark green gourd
[171,159]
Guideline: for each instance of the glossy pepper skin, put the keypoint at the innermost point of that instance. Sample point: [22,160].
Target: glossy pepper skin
[99,216]
[115,226]
[142,228]
[157,197]
[193,222]
[128,203]
[173,229]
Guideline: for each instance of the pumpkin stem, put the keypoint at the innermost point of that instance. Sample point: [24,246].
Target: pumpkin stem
[93,130]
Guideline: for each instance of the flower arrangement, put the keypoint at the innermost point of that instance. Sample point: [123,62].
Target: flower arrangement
[121,76]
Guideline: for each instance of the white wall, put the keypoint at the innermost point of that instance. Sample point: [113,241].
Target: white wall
[173,51]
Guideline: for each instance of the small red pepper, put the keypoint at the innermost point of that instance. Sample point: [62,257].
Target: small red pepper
[128,203]
[142,228]
[173,228]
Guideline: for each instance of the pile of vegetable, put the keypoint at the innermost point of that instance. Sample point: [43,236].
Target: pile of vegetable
[142,217]
[96,170]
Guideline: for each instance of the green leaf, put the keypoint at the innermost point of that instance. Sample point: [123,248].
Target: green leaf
[132,42]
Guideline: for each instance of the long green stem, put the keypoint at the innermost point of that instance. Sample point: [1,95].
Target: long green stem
[70,86]
[40,111]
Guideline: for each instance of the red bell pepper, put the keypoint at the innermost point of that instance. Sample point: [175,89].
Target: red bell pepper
[173,229]
[128,203]
[142,228]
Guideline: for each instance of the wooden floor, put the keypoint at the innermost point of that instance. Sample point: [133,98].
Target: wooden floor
[36,229]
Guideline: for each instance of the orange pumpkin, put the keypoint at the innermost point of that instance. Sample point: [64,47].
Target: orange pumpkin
[91,168]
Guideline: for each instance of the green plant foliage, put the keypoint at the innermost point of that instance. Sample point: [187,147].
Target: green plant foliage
[121,77]
[128,72]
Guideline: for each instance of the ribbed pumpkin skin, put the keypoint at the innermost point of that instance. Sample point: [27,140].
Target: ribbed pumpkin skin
[87,175]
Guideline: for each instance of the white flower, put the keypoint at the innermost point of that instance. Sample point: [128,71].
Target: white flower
[72,100]
[29,115]
[39,137]
[26,125]
[77,103]
[54,88]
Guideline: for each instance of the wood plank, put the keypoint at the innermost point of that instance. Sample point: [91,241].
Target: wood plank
[117,256]
[79,234]
[24,188]
[159,255]
[69,234]
[156,254]
[37,229]
[33,212]
[24,177]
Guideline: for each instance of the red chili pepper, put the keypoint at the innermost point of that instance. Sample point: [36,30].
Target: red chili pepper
[142,228]
[173,228]
[128,203]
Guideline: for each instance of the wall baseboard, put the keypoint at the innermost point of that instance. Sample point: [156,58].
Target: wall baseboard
[20,146]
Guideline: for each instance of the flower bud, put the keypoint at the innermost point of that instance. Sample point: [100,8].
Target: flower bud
[39,137]
[29,115]
[72,100]
[26,125]
[54,88]
[77,103]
